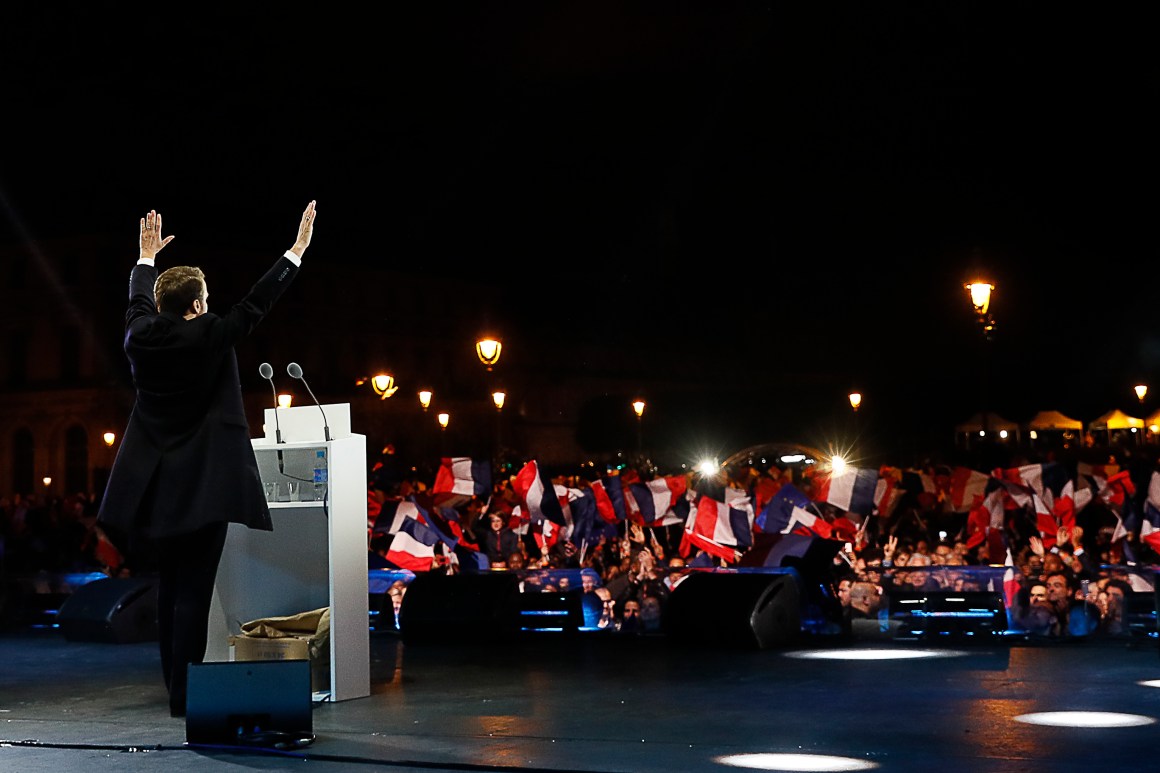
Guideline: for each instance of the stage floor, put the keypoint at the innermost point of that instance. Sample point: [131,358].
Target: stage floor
[606,704]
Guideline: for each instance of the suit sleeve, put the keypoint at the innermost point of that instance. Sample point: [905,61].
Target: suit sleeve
[141,300]
[248,312]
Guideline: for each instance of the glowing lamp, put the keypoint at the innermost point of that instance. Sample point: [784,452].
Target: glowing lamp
[384,385]
[285,400]
[488,351]
[855,400]
[109,438]
[444,418]
[498,398]
[638,408]
[425,398]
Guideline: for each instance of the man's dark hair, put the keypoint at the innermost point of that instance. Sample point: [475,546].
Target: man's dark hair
[177,288]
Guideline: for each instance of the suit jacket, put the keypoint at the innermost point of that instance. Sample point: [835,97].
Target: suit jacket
[186,459]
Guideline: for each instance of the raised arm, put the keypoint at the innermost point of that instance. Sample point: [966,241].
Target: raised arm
[150,242]
[305,231]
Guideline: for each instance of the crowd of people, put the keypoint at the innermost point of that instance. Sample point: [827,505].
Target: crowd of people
[1074,583]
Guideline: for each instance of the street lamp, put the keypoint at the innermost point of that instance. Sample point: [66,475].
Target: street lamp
[285,400]
[638,409]
[855,400]
[384,385]
[1141,390]
[444,419]
[425,398]
[498,397]
[488,350]
[980,291]
[109,438]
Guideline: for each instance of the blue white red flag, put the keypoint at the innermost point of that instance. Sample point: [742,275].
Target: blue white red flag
[779,510]
[460,478]
[967,488]
[538,494]
[719,528]
[851,489]
[413,546]
[394,512]
[649,502]
[609,494]
[1150,524]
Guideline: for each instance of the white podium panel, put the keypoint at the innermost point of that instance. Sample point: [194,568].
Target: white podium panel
[316,556]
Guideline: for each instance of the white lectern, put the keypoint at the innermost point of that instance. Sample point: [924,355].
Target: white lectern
[316,556]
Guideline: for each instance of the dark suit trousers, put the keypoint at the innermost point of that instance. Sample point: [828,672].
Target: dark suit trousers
[187,569]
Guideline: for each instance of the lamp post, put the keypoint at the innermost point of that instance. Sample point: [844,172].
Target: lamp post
[285,400]
[384,385]
[1141,391]
[488,350]
[498,398]
[425,396]
[855,400]
[444,419]
[980,291]
[638,409]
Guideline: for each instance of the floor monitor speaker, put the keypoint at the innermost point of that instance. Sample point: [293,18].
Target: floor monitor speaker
[460,606]
[115,609]
[748,610]
[250,703]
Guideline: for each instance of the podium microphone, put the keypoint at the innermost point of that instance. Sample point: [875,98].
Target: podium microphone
[295,371]
[267,372]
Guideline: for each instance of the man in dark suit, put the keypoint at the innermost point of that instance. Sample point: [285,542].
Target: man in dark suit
[186,466]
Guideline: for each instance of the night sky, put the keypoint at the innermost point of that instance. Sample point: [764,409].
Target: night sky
[766,191]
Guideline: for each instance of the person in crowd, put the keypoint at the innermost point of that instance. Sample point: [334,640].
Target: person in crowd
[865,600]
[186,467]
[497,541]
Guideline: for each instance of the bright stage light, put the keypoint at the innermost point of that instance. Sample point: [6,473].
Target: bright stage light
[1150,683]
[1085,719]
[708,467]
[807,762]
[873,654]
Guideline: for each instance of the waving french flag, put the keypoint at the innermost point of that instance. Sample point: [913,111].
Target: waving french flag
[609,494]
[413,546]
[1150,523]
[459,478]
[852,490]
[538,494]
[649,503]
[722,529]
[395,512]
[778,511]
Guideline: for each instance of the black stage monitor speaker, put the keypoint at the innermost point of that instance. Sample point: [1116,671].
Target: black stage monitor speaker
[440,607]
[250,703]
[116,609]
[734,610]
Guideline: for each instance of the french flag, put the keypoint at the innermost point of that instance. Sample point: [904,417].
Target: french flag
[394,513]
[852,490]
[538,494]
[648,503]
[459,478]
[609,493]
[779,510]
[719,528]
[413,546]
[1150,524]
[967,488]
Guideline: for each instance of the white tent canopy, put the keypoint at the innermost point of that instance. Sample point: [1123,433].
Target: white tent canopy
[995,423]
[1045,420]
[1116,419]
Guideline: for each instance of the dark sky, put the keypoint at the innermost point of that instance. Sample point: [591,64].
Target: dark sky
[787,189]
